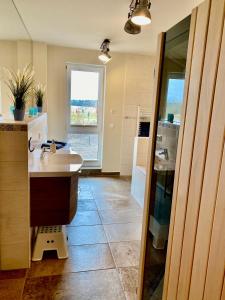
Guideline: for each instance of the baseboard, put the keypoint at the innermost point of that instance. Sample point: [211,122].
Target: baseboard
[98,172]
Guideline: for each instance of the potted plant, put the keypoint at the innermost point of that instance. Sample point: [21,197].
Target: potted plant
[39,91]
[20,85]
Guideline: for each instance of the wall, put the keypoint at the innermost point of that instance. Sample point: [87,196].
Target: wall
[14,197]
[40,66]
[8,59]
[128,83]
[139,75]
[13,55]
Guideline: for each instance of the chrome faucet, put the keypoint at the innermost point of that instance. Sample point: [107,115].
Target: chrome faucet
[165,153]
[43,152]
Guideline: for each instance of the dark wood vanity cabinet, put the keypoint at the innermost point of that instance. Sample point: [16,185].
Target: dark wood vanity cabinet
[53,200]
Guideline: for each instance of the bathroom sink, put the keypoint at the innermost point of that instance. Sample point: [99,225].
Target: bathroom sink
[63,163]
[65,159]
[159,155]
[53,187]
[162,164]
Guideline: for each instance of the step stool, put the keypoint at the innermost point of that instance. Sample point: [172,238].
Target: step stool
[50,238]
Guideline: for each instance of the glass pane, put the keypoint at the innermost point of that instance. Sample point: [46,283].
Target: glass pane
[84,101]
[169,116]
[84,144]
[175,95]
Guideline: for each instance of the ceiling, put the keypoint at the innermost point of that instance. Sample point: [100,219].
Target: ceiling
[11,26]
[84,24]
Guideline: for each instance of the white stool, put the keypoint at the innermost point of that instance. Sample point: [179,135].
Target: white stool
[50,238]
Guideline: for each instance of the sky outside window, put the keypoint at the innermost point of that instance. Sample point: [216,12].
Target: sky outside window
[175,90]
[84,85]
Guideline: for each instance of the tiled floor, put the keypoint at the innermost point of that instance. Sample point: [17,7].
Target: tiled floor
[104,246]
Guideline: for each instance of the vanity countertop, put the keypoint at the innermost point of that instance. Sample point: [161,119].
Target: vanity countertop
[28,122]
[64,163]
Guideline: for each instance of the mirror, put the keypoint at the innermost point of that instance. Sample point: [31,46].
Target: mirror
[169,117]
[15,49]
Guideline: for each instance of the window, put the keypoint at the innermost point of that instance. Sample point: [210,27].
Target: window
[84,98]
[85,111]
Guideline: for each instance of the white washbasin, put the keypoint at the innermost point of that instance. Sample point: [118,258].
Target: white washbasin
[58,164]
[65,159]
[161,164]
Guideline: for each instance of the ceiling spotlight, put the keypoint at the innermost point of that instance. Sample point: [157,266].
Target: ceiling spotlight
[130,27]
[141,15]
[104,55]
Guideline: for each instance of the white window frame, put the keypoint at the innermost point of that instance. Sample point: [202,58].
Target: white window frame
[98,129]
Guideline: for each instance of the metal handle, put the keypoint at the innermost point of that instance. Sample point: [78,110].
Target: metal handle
[29,145]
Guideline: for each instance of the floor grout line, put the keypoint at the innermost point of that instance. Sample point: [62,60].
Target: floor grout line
[121,282]
[107,242]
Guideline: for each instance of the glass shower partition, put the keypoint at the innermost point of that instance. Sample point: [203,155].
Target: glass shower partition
[169,117]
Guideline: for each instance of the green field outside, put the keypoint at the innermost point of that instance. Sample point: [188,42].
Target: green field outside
[85,116]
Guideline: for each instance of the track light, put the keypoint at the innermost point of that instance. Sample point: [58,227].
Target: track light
[130,27]
[104,55]
[141,15]
[138,16]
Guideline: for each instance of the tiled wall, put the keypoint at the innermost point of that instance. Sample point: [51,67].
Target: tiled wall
[14,199]
[137,92]
[128,135]
[170,134]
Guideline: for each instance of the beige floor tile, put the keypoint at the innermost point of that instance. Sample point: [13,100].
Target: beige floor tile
[84,194]
[126,254]
[109,184]
[86,218]
[123,232]
[117,195]
[81,258]
[92,285]
[129,279]
[11,289]
[86,205]
[113,216]
[89,273]
[124,203]
[83,235]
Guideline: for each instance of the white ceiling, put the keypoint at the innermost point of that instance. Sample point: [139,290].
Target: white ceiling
[84,24]
[11,26]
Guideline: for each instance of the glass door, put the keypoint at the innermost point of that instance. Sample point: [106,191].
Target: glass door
[169,117]
[85,112]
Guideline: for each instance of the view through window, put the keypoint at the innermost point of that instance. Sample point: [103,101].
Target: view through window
[84,98]
[85,111]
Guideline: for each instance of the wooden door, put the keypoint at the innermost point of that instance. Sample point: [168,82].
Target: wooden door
[195,267]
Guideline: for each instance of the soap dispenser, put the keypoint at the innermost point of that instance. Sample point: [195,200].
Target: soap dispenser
[53,147]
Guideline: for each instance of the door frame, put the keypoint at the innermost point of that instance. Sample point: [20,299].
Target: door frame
[151,155]
[150,162]
[99,129]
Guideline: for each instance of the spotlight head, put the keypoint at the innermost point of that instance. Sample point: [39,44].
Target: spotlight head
[141,15]
[132,28]
[104,55]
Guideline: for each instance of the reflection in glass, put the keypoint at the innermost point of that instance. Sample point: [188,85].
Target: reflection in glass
[169,117]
